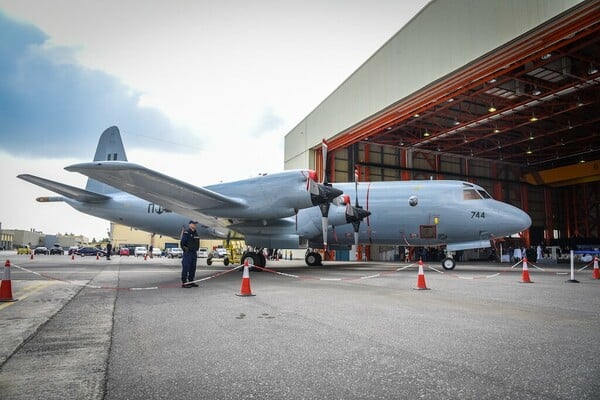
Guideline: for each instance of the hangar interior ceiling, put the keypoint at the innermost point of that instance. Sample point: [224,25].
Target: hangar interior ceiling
[541,114]
[532,103]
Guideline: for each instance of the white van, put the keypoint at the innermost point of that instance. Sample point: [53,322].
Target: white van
[140,251]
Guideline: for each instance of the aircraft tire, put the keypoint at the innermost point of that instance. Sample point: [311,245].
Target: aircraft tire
[448,263]
[209,261]
[226,261]
[313,259]
[252,257]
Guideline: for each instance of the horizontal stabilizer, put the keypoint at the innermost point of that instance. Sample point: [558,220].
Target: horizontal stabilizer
[71,192]
[176,195]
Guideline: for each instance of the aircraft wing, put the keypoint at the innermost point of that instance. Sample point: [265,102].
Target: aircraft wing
[153,186]
[71,192]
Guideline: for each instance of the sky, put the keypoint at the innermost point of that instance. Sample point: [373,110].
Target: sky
[204,91]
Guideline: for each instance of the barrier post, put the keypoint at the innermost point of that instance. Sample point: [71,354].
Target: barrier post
[573,280]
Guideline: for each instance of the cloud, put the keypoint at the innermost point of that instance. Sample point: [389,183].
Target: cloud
[53,107]
[268,121]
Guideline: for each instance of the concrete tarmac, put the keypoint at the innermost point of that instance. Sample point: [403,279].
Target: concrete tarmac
[343,331]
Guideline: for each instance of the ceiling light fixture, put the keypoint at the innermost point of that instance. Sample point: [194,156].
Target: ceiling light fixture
[533,117]
[536,91]
[593,70]
[529,151]
[492,108]
[417,115]
[493,80]
[569,125]
[450,100]
[426,134]
[579,102]
[496,130]
[531,137]
[546,56]
[456,122]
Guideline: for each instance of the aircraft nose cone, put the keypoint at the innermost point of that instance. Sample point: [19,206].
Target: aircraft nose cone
[516,219]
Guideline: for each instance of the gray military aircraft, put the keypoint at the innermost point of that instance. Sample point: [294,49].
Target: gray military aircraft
[289,209]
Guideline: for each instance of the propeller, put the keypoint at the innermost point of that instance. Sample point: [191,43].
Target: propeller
[322,194]
[355,213]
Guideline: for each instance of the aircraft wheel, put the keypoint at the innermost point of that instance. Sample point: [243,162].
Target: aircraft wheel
[226,261]
[252,258]
[448,263]
[209,261]
[313,259]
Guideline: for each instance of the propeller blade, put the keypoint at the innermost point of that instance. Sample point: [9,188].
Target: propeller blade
[325,169]
[325,223]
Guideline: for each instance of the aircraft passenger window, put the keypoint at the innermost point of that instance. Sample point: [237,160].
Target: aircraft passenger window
[470,194]
[484,194]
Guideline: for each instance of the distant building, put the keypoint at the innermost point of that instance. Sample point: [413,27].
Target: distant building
[6,239]
[23,238]
[15,238]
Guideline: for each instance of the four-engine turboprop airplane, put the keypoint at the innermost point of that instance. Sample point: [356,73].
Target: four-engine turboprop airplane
[290,209]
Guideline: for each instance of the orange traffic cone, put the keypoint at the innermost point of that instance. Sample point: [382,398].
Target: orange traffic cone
[145,257]
[6,286]
[525,275]
[97,256]
[31,256]
[245,289]
[72,257]
[596,274]
[421,278]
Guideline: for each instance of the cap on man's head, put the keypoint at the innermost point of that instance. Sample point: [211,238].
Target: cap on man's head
[193,222]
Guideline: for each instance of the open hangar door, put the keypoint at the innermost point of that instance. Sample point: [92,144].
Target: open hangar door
[522,122]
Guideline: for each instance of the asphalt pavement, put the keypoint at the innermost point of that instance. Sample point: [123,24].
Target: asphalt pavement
[125,329]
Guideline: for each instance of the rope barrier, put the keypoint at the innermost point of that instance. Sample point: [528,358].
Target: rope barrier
[90,286]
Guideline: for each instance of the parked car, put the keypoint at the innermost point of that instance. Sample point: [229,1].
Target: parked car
[90,251]
[57,250]
[175,252]
[41,250]
[156,252]
[140,251]
[219,252]
[73,250]
[202,252]
[124,251]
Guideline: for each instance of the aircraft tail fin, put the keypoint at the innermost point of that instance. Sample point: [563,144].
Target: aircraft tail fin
[71,192]
[110,148]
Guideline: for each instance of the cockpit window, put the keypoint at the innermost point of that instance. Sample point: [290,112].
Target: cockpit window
[484,194]
[471,194]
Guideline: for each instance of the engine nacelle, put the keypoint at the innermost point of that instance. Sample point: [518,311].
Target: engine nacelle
[272,196]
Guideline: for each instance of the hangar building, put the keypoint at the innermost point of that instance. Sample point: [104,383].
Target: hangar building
[502,93]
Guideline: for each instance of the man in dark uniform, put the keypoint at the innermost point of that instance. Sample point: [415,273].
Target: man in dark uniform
[190,242]
[108,250]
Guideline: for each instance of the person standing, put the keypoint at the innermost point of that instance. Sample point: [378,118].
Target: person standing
[190,242]
[108,250]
